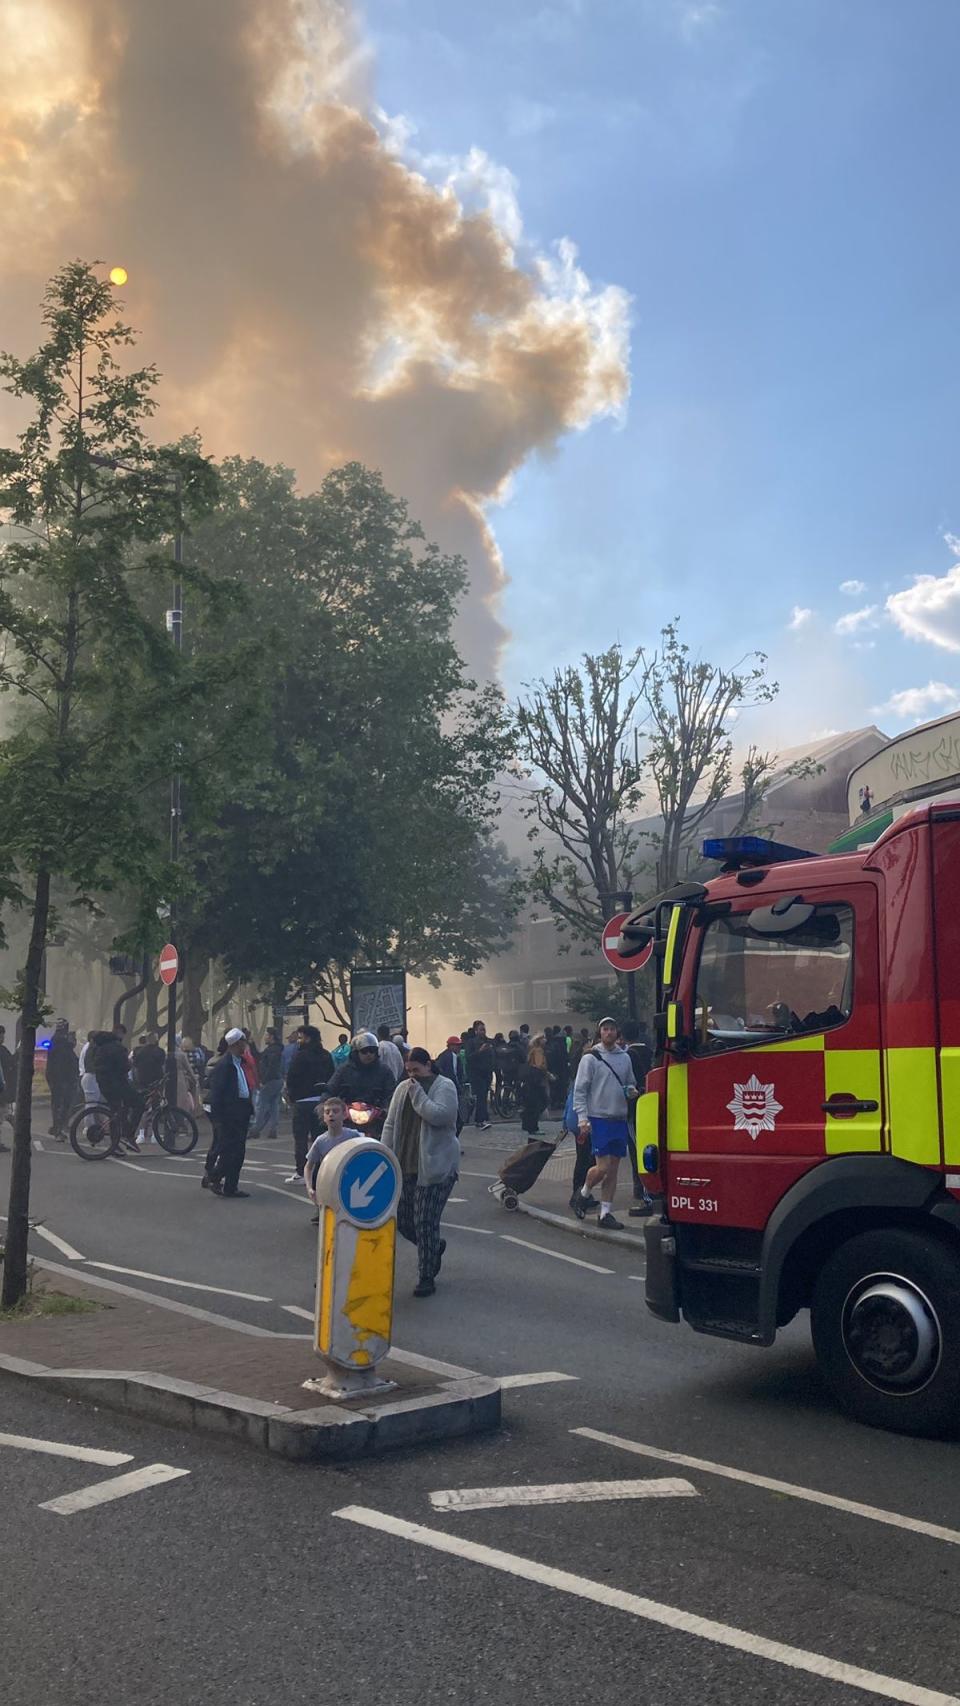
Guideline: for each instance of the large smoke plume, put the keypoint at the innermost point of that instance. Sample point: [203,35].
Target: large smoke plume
[308,294]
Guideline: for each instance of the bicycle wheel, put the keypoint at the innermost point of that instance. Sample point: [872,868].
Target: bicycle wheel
[93,1135]
[175,1130]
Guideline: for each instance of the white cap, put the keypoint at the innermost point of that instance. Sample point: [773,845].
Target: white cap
[235,1035]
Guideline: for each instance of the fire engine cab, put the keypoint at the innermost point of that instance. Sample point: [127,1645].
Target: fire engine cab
[803,1121]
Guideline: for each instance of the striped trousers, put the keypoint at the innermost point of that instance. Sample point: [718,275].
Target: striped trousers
[418,1219]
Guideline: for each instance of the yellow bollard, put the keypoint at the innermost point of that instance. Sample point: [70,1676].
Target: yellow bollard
[358,1187]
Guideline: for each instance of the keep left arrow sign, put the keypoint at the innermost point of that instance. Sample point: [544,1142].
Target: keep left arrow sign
[361,1191]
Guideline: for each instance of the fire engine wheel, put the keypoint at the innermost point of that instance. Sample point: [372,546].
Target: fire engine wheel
[886,1330]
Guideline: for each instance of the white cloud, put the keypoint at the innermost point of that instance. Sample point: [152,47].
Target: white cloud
[930,608]
[856,620]
[918,704]
[799,617]
[853,589]
[696,16]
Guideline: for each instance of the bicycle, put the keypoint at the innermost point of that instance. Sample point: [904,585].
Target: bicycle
[98,1130]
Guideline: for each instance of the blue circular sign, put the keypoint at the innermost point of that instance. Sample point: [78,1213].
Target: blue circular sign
[369,1186]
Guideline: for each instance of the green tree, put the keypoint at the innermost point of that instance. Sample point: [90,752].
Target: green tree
[355,824]
[93,690]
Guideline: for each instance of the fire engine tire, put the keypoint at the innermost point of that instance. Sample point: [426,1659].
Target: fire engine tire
[885,1319]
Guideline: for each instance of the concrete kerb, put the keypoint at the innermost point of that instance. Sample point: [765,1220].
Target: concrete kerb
[583,1228]
[328,1434]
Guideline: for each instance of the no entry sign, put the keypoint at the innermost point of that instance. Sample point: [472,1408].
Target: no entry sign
[169,964]
[611,952]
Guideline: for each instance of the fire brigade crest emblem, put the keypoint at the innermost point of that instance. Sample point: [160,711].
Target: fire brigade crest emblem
[754,1107]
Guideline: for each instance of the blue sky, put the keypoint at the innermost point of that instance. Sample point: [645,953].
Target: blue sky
[774,183]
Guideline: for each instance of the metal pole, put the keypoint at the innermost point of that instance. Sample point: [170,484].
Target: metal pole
[176,624]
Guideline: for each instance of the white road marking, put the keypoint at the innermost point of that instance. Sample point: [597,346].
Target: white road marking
[190,1285]
[668,1616]
[559,1493]
[38,1145]
[465,1173]
[484,1231]
[557,1255]
[58,1243]
[533,1379]
[102,1492]
[458,1199]
[53,1448]
[158,1301]
[789,1488]
[411,1358]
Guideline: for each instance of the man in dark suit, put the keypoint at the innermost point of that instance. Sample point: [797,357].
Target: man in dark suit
[231,1105]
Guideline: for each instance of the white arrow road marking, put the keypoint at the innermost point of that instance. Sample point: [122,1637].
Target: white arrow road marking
[560,1493]
[102,1492]
[53,1448]
[668,1616]
[361,1191]
[872,1512]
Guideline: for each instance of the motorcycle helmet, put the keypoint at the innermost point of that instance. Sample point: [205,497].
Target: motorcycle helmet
[363,1039]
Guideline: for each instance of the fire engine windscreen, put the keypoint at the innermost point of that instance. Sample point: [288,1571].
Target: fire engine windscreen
[756,986]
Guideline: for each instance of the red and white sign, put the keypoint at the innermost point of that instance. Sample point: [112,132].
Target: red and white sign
[169,964]
[610,951]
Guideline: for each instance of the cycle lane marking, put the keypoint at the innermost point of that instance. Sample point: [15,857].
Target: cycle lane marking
[649,1610]
[767,1483]
[118,1487]
[556,1255]
[51,1238]
[189,1285]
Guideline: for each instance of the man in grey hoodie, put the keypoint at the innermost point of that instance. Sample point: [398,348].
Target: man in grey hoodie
[604,1089]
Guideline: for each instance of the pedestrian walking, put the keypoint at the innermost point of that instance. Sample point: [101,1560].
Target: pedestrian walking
[602,1095]
[534,1094]
[63,1078]
[231,1105]
[334,1112]
[421,1129]
[309,1075]
[480,1064]
[558,1066]
[267,1102]
[390,1054]
[449,1062]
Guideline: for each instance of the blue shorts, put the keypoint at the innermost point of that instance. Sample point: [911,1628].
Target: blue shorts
[608,1137]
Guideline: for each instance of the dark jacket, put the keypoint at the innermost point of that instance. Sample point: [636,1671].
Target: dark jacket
[641,1059]
[309,1073]
[480,1060]
[224,1088]
[271,1063]
[109,1064]
[63,1066]
[449,1064]
[558,1061]
[149,1061]
[355,1082]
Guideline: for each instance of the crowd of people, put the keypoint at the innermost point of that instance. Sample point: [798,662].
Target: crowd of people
[372,1085]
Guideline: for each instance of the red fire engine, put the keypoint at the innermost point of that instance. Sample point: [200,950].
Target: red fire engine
[803,1122]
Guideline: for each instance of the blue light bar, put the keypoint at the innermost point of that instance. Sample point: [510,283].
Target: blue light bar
[735,850]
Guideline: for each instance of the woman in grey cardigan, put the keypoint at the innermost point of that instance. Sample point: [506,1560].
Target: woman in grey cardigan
[421,1129]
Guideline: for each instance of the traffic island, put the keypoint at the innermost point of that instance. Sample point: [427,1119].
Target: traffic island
[188,1370]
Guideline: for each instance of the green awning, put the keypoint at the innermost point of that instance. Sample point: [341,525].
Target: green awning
[860,833]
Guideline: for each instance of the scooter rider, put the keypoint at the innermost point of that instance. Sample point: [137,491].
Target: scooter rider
[364,1077]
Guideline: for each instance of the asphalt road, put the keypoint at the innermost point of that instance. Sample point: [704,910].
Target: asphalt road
[251,1581]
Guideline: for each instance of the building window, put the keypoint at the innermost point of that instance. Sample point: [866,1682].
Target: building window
[551,997]
[511,998]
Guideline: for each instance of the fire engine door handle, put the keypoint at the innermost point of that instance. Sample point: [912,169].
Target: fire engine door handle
[843,1107]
